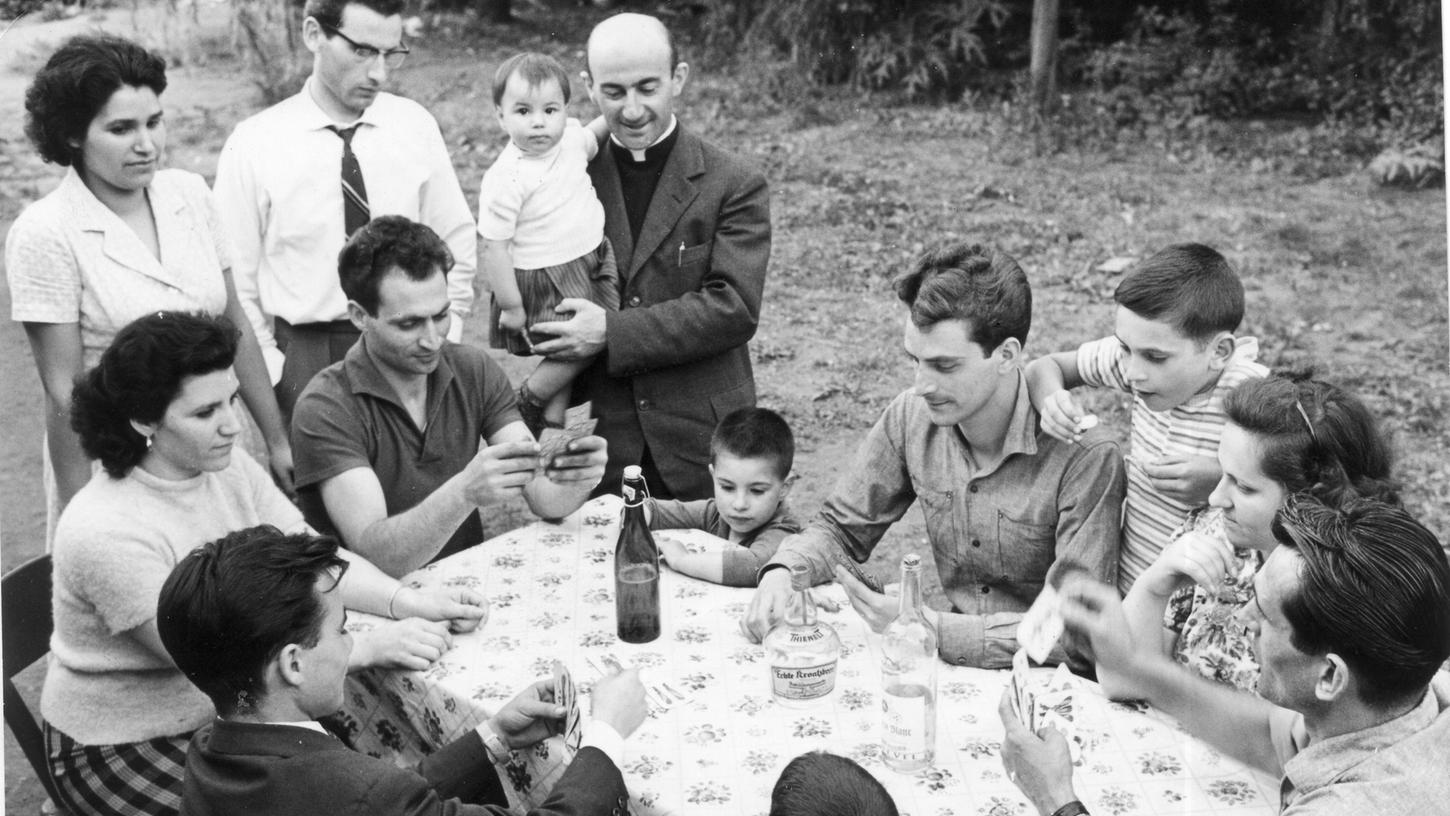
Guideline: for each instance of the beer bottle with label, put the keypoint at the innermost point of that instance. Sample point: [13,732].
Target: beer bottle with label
[802,651]
[908,673]
[636,567]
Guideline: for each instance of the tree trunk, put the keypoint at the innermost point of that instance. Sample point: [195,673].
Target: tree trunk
[1043,72]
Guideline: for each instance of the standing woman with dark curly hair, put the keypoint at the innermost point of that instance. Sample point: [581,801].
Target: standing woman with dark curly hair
[119,237]
[159,412]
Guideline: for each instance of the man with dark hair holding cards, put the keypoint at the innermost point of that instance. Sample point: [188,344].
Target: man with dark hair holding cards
[1007,507]
[387,442]
[273,662]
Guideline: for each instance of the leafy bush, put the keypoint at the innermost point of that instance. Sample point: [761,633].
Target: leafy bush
[925,48]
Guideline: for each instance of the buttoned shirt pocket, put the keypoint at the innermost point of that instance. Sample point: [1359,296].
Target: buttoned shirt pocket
[941,518]
[1026,546]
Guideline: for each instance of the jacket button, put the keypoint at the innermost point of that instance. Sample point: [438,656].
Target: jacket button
[972,488]
[634,301]
[645,405]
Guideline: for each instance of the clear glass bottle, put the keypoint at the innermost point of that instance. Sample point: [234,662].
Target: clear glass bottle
[636,567]
[802,651]
[908,674]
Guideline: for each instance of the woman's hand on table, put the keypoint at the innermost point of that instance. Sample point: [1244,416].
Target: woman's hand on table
[463,609]
[582,460]
[1038,764]
[412,644]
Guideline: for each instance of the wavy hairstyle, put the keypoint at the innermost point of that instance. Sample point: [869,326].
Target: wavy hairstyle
[1373,588]
[138,377]
[1314,437]
[76,83]
[231,605]
[970,282]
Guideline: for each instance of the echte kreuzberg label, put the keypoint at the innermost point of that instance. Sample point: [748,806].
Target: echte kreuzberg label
[803,682]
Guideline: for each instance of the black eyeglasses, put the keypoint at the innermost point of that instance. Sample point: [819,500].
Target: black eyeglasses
[393,57]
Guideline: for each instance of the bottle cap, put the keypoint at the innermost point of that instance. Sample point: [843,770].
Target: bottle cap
[911,561]
[633,472]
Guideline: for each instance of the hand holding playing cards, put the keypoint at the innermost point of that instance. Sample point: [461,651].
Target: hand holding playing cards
[529,717]
[618,699]
[499,472]
[1040,765]
[579,460]
[460,607]
[876,608]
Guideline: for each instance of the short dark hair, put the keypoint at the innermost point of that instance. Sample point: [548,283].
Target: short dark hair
[231,605]
[1374,588]
[76,82]
[534,69]
[755,433]
[1314,437]
[1188,286]
[822,784]
[329,12]
[970,282]
[383,244]
[139,375]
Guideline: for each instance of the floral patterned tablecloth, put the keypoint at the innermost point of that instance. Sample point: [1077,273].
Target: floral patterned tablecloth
[550,587]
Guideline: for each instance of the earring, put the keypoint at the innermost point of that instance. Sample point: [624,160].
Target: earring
[148,443]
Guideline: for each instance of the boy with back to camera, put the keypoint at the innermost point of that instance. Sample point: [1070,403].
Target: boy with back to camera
[540,225]
[751,454]
[1174,350]
[818,783]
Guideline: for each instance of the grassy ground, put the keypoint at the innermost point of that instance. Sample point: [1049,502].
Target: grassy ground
[1339,274]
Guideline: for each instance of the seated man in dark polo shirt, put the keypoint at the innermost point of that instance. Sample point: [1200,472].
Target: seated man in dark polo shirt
[387,442]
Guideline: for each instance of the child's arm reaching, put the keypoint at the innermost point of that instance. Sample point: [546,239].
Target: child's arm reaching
[664,514]
[598,131]
[1049,383]
[498,269]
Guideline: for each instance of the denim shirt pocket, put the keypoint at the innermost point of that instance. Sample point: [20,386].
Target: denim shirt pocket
[1027,548]
[938,506]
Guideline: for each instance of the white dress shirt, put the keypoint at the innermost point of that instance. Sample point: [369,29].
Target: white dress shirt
[279,190]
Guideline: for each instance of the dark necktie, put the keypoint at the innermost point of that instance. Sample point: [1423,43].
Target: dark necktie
[354,192]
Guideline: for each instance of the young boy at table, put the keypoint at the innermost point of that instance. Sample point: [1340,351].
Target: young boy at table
[751,454]
[1174,349]
[253,619]
[821,784]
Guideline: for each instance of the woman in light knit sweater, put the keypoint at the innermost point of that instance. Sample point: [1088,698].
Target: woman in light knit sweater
[160,413]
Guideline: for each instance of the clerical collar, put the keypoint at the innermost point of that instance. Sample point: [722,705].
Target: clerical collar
[643,155]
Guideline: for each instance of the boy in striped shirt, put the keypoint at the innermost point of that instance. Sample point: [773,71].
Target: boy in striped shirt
[1174,349]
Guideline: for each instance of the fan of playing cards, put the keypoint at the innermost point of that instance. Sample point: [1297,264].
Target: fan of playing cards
[1037,633]
[566,695]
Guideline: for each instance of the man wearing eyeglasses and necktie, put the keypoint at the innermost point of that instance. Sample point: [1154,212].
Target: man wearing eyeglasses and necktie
[295,180]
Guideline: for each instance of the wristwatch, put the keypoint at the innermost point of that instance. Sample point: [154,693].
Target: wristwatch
[1073,808]
[497,750]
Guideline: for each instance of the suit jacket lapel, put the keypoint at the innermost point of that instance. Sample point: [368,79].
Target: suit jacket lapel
[611,195]
[673,195]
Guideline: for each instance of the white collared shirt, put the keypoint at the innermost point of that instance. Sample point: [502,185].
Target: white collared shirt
[279,191]
[70,259]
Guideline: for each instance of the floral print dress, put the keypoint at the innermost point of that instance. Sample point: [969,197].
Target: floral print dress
[1210,639]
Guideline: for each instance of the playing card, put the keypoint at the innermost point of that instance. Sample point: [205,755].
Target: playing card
[1054,705]
[553,441]
[840,556]
[1040,628]
[1022,703]
[567,696]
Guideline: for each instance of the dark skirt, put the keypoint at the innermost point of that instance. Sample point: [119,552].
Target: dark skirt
[594,277]
[118,780]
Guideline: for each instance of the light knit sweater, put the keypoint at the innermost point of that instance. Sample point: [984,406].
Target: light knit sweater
[116,543]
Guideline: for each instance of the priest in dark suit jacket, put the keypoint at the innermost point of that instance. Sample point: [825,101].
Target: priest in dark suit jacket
[253,620]
[690,226]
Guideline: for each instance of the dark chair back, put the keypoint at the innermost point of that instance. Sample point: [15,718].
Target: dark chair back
[25,603]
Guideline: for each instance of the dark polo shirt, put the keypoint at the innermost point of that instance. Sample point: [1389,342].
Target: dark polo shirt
[350,417]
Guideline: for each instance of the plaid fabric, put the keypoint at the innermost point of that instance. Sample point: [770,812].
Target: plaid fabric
[592,277]
[118,780]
